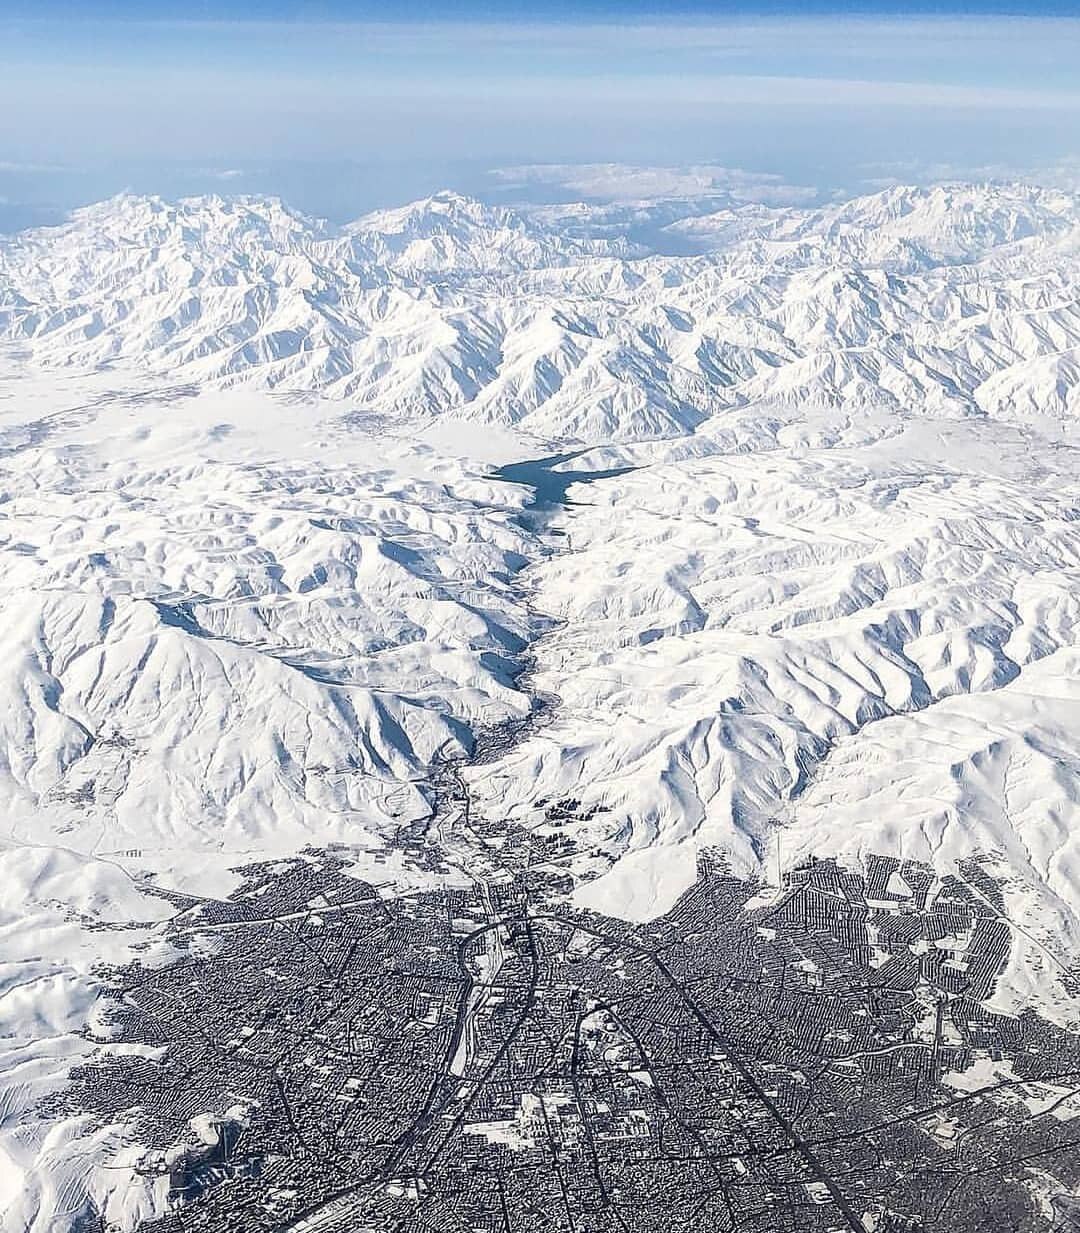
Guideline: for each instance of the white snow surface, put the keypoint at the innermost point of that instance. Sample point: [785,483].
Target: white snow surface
[256,571]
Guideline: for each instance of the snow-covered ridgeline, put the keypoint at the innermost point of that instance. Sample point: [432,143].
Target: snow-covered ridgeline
[953,301]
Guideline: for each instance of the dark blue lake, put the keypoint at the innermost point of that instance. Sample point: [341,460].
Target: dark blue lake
[550,486]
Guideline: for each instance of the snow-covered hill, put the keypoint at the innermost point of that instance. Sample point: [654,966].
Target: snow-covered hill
[202,646]
[829,650]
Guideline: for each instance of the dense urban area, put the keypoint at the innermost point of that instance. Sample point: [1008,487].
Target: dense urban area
[482,1055]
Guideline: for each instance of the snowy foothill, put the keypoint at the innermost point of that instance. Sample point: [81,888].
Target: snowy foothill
[850,650]
[259,572]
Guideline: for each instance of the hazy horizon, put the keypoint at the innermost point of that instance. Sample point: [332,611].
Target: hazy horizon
[350,110]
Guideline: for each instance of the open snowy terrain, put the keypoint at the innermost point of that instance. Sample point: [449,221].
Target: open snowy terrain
[258,572]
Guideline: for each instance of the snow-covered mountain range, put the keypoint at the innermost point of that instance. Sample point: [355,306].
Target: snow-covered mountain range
[259,570]
[955,301]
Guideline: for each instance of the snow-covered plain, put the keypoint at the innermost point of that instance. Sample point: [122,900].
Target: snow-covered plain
[257,572]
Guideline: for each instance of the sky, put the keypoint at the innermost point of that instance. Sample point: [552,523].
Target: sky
[340,107]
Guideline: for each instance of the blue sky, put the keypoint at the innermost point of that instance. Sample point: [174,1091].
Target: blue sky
[341,106]
[562,10]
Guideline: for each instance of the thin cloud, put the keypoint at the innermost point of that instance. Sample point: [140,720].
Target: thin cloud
[13,167]
[628,182]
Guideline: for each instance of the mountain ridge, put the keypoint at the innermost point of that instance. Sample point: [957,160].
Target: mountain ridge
[449,307]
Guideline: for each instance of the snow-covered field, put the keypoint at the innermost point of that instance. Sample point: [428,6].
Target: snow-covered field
[257,572]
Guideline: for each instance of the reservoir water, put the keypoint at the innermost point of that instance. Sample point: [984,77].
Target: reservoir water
[550,486]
